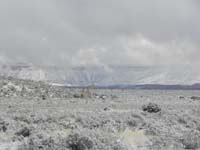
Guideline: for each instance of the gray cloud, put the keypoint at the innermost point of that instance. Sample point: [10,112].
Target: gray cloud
[87,32]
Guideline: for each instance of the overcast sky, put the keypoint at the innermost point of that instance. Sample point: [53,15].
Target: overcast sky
[100,32]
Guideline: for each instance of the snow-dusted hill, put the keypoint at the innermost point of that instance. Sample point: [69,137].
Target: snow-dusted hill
[127,75]
[103,76]
[23,71]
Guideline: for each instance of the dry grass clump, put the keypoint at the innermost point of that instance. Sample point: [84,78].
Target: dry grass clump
[191,140]
[84,93]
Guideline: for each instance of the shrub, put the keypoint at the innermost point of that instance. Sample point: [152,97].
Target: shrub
[151,108]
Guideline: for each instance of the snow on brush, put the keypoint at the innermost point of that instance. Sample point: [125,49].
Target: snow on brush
[34,115]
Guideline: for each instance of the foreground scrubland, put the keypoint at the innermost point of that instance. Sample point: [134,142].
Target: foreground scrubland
[37,116]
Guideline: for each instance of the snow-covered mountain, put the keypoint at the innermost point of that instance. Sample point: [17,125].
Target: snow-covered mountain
[103,76]
[129,75]
[23,71]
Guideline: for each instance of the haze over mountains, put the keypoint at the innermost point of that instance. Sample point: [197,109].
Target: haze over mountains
[104,76]
[111,43]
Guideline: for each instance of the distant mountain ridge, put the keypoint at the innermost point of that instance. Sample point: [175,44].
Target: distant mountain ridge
[155,87]
[135,77]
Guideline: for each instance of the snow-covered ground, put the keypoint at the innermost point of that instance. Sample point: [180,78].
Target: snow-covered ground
[36,116]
